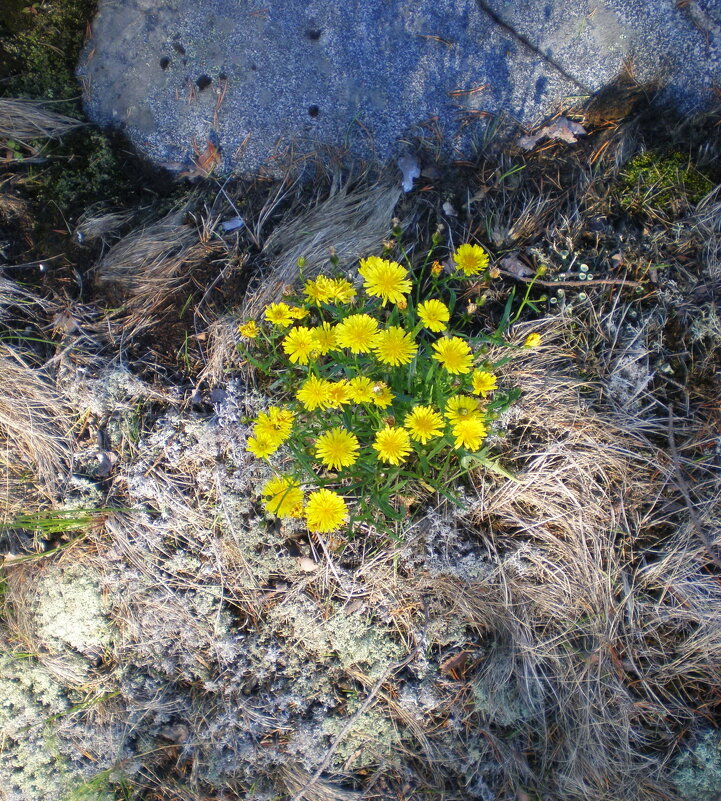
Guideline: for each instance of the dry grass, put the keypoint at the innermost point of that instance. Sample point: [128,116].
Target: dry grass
[97,224]
[589,576]
[151,267]
[350,223]
[23,120]
[35,451]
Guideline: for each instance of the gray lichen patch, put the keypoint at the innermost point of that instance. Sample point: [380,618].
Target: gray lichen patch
[697,770]
[70,612]
[37,760]
[354,640]
[369,740]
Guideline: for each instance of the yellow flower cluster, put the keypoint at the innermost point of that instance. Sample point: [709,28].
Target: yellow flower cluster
[271,430]
[380,387]
[467,422]
[324,510]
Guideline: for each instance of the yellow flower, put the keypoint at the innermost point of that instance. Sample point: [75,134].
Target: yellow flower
[276,422]
[313,394]
[325,511]
[484,382]
[454,354]
[393,444]
[469,433]
[357,333]
[325,338]
[262,445]
[337,448]
[434,315]
[317,291]
[424,423]
[283,497]
[384,279]
[394,346]
[339,393]
[361,389]
[460,407]
[532,341]
[298,312]
[339,289]
[436,268]
[249,330]
[279,314]
[382,395]
[299,344]
[471,259]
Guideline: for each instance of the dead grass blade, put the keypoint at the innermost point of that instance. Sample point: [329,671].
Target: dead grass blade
[350,223]
[34,421]
[23,120]
[150,266]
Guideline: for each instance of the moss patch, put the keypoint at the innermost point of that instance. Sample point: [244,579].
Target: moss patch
[39,45]
[662,185]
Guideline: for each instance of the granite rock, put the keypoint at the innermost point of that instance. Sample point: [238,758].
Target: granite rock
[257,78]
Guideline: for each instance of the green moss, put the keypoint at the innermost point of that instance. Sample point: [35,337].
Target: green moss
[40,43]
[83,169]
[661,185]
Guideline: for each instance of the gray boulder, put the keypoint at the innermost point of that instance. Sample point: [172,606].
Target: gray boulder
[233,84]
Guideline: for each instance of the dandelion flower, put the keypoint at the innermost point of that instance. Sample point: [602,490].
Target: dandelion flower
[469,433]
[337,448]
[484,382]
[454,354]
[436,268]
[276,422]
[339,290]
[325,511]
[394,346]
[249,330]
[460,407]
[299,344]
[283,497]
[434,315]
[298,312]
[393,444]
[313,394]
[424,423]
[339,393]
[471,259]
[325,338]
[278,314]
[317,291]
[361,389]
[384,279]
[382,395]
[532,341]
[262,445]
[357,333]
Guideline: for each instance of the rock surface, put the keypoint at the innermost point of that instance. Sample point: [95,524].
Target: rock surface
[254,77]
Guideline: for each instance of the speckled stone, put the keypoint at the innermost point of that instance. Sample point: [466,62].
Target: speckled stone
[256,77]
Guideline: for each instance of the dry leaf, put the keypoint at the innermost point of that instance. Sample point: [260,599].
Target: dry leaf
[513,265]
[561,129]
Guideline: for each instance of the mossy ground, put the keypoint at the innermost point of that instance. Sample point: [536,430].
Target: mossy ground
[185,646]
